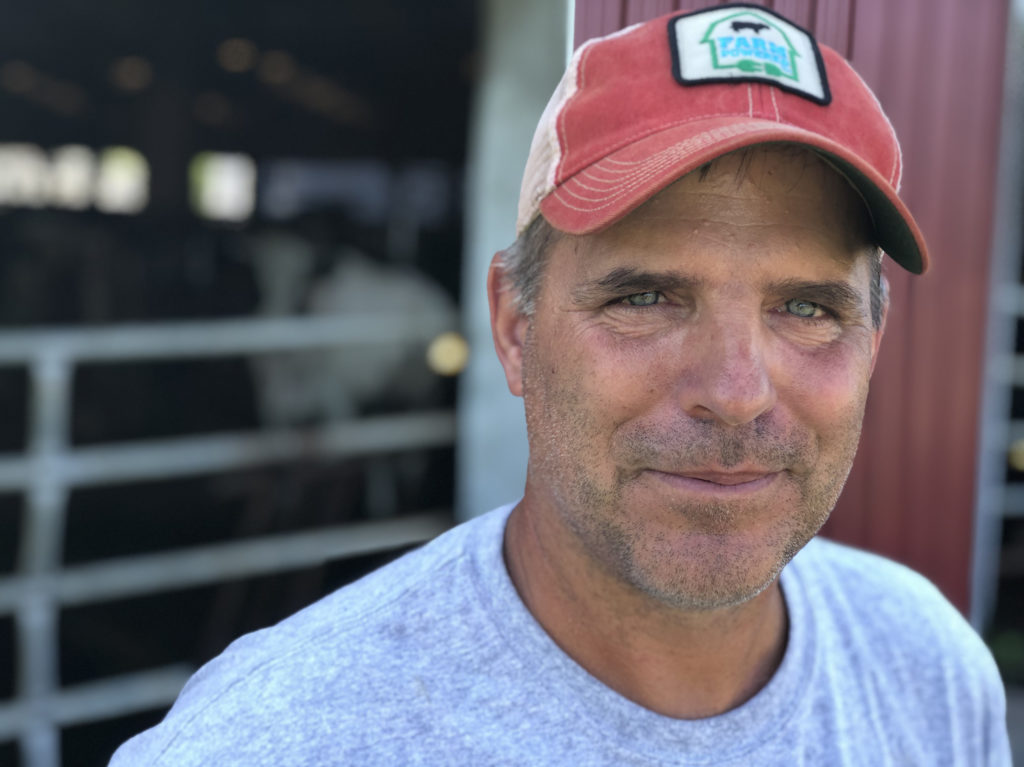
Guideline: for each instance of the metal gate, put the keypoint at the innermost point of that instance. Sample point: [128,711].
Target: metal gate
[50,468]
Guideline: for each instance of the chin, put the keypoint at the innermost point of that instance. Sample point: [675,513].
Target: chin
[711,572]
[707,597]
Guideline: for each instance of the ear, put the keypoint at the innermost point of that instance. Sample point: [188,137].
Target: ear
[508,325]
[876,342]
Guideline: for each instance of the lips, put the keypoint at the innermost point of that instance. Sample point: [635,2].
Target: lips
[727,478]
[711,481]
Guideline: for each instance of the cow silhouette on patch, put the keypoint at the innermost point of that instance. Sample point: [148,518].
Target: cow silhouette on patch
[754,26]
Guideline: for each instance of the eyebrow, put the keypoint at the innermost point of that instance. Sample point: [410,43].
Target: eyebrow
[628,279]
[835,294]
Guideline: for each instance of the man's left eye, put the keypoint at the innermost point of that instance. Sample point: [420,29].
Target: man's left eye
[647,298]
[807,309]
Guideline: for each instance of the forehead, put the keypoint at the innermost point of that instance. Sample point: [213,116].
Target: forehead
[772,210]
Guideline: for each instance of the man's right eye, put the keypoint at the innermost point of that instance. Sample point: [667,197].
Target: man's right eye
[648,298]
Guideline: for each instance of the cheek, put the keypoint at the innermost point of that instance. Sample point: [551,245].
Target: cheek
[622,376]
[827,388]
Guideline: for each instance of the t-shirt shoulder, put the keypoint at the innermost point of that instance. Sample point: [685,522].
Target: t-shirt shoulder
[894,633]
[889,610]
[354,608]
[355,648]
[875,589]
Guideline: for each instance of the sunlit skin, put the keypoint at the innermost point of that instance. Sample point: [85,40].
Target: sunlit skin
[694,379]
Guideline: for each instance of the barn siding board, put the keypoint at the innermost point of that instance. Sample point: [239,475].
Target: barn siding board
[594,18]
[686,6]
[959,423]
[925,515]
[832,24]
[641,10]
[881,467]
[800,11]
[911,492]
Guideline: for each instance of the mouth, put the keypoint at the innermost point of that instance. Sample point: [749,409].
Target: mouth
[718,482]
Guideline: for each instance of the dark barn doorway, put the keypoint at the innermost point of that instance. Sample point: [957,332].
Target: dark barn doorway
[195,162]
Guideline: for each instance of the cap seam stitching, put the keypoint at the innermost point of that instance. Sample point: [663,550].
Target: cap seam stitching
[623,185]
[563,140]
[896,172]
[640,134]
[621,190]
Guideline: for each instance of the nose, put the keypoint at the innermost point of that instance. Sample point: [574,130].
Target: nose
[728,377]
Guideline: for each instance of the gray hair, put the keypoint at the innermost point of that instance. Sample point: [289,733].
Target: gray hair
[524,261]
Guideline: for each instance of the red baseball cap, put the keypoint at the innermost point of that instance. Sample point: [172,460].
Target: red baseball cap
[644,106]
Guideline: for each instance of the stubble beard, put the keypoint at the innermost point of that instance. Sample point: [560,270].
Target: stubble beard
[710,573]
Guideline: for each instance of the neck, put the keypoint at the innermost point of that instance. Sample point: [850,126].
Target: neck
[686,665]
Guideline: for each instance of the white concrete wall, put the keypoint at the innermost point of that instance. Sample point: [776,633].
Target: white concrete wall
[523,53]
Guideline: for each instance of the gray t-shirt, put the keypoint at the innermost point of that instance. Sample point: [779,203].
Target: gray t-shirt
[434,660]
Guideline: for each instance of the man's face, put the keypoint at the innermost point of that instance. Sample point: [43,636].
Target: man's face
[695,376]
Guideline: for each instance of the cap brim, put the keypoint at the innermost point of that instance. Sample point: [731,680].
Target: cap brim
[609,189]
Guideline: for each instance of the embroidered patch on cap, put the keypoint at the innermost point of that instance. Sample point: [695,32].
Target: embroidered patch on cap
[745,43]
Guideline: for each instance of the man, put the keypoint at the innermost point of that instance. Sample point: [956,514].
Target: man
[691,312]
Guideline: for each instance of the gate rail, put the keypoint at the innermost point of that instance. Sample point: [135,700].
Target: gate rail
[50,468]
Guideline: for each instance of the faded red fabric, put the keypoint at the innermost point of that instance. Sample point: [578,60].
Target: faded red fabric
[629,129]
